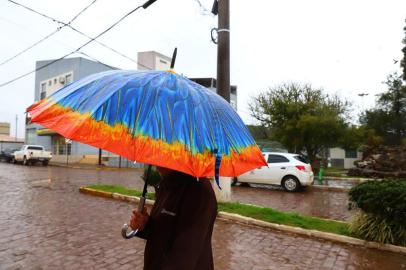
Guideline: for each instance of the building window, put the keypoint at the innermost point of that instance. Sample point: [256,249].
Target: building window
[68,78]
[43,95]
[49,82]
[31,136]
[162,61]
[350,153]
[43,87]
[55,81]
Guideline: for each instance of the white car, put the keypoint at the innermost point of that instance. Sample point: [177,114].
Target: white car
[30,154]
[291,171]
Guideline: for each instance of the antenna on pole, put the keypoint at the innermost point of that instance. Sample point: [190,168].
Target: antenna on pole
[174,57]
[16,126]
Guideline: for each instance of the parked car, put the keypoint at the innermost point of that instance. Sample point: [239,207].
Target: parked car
[291,171]
[31,154]
[7,155]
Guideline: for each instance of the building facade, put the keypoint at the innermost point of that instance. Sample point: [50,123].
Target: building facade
[152,60]
[211,83]
[47,81]
[4,128]
[342,158]
[10,143]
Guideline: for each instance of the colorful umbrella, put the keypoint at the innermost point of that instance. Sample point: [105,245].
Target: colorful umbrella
[154,117]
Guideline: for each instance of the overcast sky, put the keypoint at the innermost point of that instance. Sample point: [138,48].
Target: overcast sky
[347,47]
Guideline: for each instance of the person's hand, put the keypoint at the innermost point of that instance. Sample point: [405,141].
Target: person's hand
[139,220]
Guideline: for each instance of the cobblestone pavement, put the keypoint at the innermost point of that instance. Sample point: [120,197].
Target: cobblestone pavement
[45,223]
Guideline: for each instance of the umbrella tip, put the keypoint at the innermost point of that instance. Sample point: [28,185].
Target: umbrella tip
[175,51]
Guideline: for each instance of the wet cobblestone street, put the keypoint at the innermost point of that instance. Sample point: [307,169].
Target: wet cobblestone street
[45,223]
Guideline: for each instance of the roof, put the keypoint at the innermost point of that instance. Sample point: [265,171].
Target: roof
[6,138]
[211,82]
[281,153]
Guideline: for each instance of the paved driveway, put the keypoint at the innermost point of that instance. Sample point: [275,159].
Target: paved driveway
[45,223]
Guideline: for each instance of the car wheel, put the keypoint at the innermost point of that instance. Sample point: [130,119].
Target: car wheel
[290,183]
[25,161]
[45,163]
[234,181]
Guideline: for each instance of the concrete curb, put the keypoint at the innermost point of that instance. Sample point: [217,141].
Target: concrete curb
[95,167]
[329,188]
[263,224]
[354,179]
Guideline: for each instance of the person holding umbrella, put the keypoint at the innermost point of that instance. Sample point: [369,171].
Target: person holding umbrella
[179,229]
[164,119]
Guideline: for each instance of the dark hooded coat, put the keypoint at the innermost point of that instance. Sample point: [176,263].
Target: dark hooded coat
[180,226]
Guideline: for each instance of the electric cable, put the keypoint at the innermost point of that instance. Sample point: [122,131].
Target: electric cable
[76,30]
[96,60]
[204,11]
[49,35]
[79,48]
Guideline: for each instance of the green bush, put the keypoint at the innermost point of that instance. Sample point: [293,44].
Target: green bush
[383,211]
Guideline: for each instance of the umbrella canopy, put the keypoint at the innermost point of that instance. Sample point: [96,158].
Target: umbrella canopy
[153,117]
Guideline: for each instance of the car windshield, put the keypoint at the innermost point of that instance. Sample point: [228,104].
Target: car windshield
[35,148]
[301,158]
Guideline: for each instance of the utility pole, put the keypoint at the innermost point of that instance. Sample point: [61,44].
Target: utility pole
[16,126]
[100,157]
[222,7]
[223,50]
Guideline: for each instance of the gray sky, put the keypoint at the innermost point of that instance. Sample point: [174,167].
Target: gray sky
[346,47]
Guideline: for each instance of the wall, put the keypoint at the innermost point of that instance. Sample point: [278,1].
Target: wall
[4,128]
[338,158]
[10,145]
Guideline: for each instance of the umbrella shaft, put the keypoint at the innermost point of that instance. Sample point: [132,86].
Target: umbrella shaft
[141,204]
[144,191]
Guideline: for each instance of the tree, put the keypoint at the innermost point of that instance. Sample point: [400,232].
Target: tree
[301,117]
[388,119]
[403,62]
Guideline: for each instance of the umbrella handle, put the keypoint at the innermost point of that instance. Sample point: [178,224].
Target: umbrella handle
[126,231]
[127,234]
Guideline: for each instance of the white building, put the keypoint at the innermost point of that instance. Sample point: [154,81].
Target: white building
[341,158]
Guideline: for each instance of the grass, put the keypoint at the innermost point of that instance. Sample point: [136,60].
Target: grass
[337,172]
[291,219]
[121,190]
[261,213]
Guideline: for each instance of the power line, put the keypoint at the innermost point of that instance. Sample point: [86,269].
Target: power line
[32,10]
[96,60]
[81,47]
[76,30]
[204,11]
[49,35]
[31,46]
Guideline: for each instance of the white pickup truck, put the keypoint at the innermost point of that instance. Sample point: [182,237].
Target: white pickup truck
[30,154]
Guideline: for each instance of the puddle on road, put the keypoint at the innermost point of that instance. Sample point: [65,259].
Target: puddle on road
[41,183]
